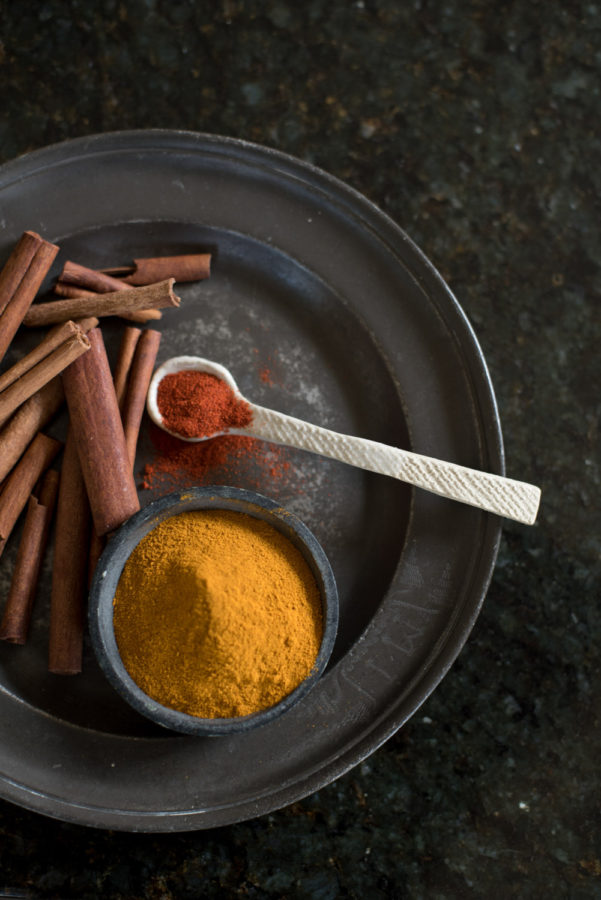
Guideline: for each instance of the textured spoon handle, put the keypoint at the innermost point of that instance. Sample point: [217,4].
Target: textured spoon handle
[504,496]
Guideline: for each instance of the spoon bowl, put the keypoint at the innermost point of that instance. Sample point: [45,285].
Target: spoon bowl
[181,364]
[493,493]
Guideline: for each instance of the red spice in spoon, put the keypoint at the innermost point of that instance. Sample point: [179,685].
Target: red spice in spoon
[197,404]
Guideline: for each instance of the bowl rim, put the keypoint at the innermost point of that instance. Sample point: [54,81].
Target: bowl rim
[117,552]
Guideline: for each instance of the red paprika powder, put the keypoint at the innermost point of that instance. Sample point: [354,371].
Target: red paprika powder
[198,404]
[229,459]
[195,404]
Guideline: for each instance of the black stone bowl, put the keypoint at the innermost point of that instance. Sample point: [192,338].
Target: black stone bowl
[116,554]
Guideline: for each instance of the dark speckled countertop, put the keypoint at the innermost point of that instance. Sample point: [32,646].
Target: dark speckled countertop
[477,131]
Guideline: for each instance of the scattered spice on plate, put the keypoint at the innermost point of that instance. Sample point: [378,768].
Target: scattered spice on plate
[229,459]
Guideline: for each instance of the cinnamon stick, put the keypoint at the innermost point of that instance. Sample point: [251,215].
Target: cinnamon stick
[139,379]
[21,481]
[127,348]
[55,337]
[155,296]
[17,612]
[139,315]
[98,434]
[30,418]
[125,357]
[186,267]
[90,279]
[70,290]
[16,265]
[80,278]
[67,596]
[33,269]
[45,370]
[85,324]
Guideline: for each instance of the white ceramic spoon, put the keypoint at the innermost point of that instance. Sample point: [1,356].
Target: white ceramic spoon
[503,496]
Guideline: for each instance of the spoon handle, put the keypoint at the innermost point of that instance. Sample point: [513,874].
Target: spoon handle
[503,496]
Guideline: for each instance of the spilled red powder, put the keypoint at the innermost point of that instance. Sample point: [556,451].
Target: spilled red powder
[266,376]
[197,404]
[229,459]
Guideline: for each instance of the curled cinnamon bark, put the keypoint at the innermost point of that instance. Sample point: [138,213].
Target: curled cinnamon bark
[70,291]
[30,418]
[17,612]
[155,296]
[98,434]
[139,379]
[17,265]
[21,481]
[186,267]
[89,279]
[127,348]
[73,345]
[55,337]
[138,315]
[67,597]
[76,277]
[20,281]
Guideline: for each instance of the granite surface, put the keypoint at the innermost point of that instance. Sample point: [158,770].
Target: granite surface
[475,126]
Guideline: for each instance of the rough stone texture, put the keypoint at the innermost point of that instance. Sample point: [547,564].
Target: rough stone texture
[475,126]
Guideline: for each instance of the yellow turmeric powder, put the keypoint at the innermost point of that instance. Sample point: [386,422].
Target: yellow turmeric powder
[217,614]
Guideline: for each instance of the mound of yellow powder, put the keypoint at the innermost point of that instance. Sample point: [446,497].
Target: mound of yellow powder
[217,614]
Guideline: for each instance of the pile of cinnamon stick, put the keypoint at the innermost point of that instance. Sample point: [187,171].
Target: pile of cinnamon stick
[94,492]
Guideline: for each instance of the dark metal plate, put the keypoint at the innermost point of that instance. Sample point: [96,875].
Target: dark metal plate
[361,335]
